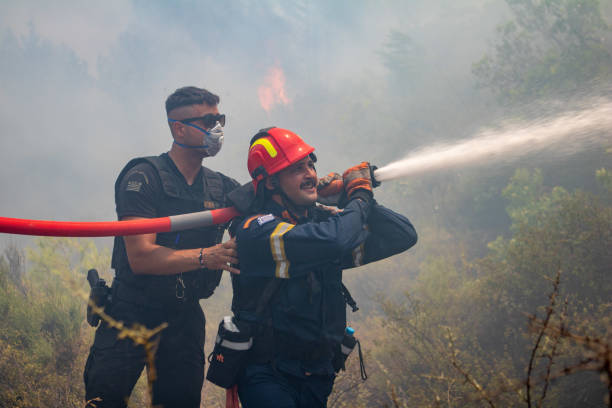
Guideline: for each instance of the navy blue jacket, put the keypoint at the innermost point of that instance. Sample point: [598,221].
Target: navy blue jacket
[309,311]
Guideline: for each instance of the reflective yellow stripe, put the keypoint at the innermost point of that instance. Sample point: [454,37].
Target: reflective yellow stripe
[358,255]
[358,252]
[277,246]
[267,145]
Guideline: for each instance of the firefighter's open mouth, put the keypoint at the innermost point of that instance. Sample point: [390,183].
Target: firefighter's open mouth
[307,185]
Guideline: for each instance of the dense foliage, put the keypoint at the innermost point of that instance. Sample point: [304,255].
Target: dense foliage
[44,338]
[548,46]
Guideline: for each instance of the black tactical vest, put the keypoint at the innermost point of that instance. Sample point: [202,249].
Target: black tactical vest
[198,284]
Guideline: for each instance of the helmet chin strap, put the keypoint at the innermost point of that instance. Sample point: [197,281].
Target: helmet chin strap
[293,208]
[296,211]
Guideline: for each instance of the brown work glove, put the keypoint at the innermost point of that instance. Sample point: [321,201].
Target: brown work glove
[358,179]
[330,189]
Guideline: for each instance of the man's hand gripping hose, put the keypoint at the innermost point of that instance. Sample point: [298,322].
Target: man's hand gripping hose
[331,188]
[359,180]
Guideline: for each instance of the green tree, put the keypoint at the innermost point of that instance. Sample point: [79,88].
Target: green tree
[402,57]
[604,178]
[548,46]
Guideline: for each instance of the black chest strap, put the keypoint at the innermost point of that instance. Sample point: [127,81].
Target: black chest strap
[348,299]
[267,295]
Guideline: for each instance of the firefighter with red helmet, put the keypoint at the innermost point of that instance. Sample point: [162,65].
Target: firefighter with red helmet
[292,253]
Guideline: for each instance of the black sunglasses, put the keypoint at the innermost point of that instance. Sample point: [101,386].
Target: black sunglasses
[209,120]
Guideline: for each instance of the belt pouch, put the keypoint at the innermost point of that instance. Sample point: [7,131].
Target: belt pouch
[232,346]
[346,347]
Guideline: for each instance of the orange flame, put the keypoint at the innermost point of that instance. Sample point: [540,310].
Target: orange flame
[272,92]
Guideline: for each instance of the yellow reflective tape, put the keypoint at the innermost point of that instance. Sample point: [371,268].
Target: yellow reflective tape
[277,246]
[267,145]
[358,255]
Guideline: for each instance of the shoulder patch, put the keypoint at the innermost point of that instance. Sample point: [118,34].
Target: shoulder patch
[265,218]
[135,180]
[133,185]
[134,173]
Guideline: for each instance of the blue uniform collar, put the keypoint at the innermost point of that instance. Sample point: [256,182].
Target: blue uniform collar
[282,212]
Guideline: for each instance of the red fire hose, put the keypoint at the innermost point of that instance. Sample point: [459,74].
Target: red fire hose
[114,228]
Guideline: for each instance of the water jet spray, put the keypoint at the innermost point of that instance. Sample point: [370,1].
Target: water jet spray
[567,133]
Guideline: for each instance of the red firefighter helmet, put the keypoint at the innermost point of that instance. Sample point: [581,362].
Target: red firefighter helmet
[272,150]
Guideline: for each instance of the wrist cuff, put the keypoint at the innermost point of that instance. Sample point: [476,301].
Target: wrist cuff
[365,195]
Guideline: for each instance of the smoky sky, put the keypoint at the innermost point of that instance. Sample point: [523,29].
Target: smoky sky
[83,84]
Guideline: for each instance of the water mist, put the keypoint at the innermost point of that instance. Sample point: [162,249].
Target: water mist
[561,135]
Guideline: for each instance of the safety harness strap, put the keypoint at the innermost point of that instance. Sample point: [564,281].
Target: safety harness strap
[267,294]
[348,299]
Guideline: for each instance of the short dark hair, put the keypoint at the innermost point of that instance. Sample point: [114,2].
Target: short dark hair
[190,95]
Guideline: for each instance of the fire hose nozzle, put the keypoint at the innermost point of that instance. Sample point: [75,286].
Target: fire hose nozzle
[375,183]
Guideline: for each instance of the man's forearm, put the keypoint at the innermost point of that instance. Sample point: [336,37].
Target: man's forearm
[148,258]
[159,260]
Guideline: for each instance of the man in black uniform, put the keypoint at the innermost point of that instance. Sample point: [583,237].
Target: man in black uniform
[289,293]
[161,277]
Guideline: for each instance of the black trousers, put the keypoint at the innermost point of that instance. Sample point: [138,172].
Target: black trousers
[263,386]
[114,365]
